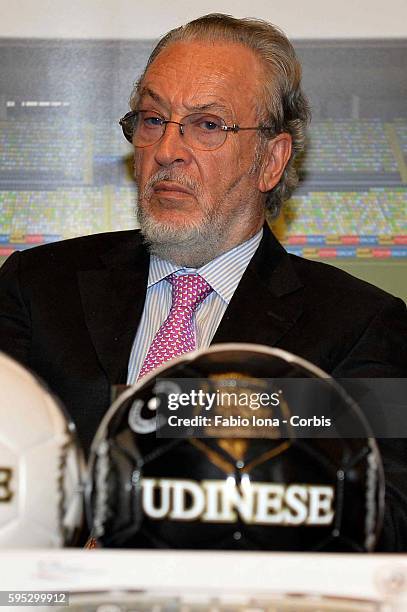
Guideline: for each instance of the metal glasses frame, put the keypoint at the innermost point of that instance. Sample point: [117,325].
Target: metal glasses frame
[234,128]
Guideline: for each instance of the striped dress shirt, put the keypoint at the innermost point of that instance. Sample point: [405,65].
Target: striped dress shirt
[223,274]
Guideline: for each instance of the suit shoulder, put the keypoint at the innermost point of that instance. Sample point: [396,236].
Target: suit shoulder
[80,252]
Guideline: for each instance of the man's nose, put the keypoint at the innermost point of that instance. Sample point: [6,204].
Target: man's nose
[171,148]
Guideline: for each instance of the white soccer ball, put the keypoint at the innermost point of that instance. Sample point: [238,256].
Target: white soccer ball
[41,465]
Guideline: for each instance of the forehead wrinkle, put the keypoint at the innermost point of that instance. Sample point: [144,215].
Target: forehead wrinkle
[206,77]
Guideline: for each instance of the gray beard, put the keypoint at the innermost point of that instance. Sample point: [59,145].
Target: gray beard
[189,246]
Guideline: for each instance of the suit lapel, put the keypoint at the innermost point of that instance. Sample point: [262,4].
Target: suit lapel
[265,305]
[268,300]
[113,299]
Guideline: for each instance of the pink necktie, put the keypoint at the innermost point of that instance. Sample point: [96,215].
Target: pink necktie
[176,335]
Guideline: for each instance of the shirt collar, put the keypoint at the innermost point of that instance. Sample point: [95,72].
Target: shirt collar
[159,269]
[222,273]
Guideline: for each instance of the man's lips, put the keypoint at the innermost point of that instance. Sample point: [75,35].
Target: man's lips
[168,186]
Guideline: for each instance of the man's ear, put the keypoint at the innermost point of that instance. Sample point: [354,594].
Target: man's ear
[276,156]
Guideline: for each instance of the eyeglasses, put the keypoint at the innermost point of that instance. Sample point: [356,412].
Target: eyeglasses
[200,131]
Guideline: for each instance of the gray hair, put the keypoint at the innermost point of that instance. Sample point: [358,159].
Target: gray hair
[284,107]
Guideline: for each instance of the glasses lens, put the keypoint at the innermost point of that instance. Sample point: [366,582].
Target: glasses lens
[142,128]
[148,128]
[203,131]
[127,123]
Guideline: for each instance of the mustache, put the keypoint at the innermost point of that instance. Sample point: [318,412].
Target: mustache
[173,175]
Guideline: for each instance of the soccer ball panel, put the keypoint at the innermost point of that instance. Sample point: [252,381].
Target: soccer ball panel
[41,466]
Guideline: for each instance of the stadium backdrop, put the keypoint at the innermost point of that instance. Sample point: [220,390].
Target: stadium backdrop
[65,170]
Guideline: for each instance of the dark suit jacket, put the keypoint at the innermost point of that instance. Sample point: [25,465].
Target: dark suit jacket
[70,311]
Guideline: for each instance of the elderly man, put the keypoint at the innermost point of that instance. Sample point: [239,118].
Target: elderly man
[217,119]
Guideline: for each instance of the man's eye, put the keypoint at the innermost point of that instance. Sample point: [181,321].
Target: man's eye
[209,125]
[153,121]
[206,123]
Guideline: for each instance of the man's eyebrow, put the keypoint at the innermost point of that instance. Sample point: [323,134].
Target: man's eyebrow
[146,91]
[209,106]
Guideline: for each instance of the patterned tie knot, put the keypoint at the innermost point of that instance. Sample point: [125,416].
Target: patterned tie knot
[188,290]
[177,335]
